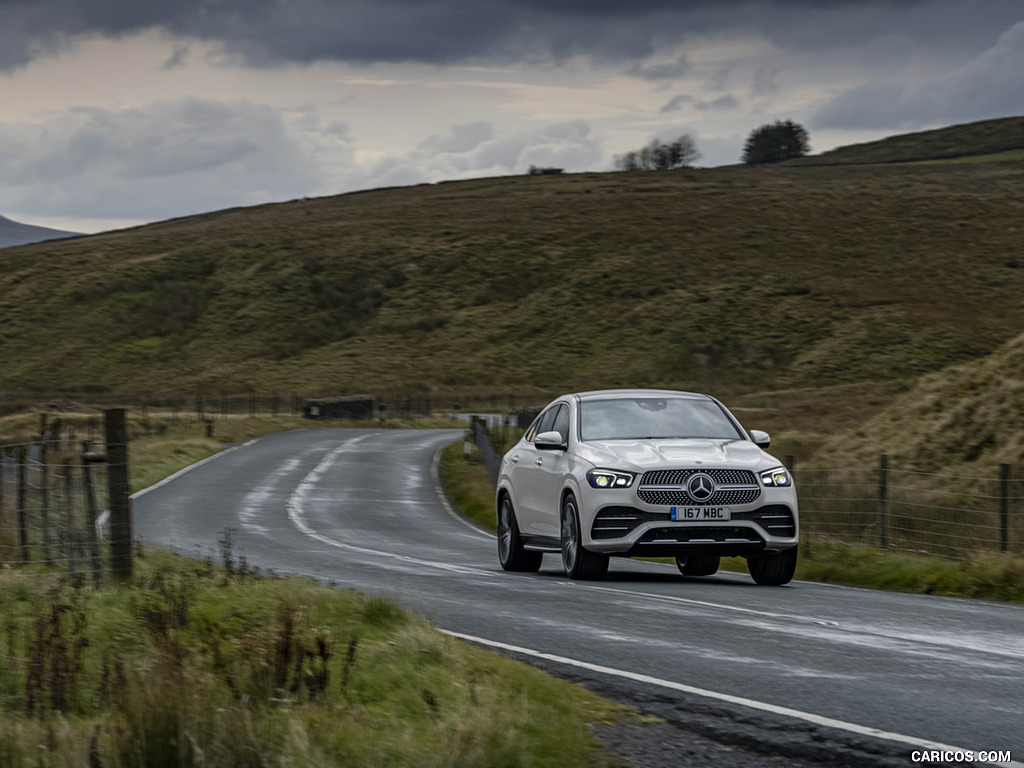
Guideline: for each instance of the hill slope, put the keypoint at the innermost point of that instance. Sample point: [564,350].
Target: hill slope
[969,140]
[728,280]
[12,233]
[950,421]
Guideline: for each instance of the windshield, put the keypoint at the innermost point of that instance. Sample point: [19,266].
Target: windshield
[647,418]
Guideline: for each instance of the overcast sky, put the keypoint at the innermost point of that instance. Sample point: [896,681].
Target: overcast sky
[114,112]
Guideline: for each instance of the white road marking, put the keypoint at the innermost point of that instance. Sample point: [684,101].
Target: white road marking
[809,717]
[189,468]
[104,516]
[435,474]
[296,515]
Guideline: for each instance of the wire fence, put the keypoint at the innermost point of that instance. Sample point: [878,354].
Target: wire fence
[945,515]
[223,403]
[64,503]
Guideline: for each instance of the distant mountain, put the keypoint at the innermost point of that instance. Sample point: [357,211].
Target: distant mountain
[13,233]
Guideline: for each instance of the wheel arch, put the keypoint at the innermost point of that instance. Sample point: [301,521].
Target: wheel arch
[571,489]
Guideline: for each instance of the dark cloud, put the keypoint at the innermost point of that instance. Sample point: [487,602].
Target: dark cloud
[175,158]
[177,57]
[171,158]
[443,31]
[988,86]
[678,102]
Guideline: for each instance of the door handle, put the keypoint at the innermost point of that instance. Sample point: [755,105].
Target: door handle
[515,459]
[540,462]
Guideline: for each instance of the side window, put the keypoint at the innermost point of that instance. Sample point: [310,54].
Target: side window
[561,423]
[542,424]
[532,431]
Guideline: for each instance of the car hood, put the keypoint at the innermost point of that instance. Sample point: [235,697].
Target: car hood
[642,455]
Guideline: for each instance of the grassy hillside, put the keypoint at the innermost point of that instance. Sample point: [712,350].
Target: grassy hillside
[1002,138]
[951,421]
[734,280]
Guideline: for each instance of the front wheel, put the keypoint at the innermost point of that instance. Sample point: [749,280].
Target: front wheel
[578,562]
[773,570]
[511,554]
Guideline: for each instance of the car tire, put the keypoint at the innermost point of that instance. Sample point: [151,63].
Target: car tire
[698,565]
[578,562]
[511,554]
[773,570]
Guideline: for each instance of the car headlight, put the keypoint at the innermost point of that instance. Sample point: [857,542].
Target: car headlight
[776,478]
[609,478]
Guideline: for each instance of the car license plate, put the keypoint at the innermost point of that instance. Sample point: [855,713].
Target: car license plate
[701,513]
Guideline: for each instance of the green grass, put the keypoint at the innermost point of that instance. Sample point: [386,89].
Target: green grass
[990,577]
[467,485]
[1014,155]
[193,665]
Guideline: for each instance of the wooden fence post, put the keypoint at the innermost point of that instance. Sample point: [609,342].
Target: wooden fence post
[1004,507]
[90,517]
[44,490]
[22,512]
[883,492]
[70,537]
[118,490]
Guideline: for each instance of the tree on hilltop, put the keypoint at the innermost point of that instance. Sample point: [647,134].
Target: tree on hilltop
[681,153]
[776,142]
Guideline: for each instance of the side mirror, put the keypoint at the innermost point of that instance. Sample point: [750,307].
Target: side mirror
[761,439]
[549,441]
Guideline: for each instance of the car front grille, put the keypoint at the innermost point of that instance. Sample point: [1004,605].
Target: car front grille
[666,487]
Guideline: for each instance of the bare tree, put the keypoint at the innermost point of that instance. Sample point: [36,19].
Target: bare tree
[656,156]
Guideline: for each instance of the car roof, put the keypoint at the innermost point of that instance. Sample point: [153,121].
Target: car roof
[605,394]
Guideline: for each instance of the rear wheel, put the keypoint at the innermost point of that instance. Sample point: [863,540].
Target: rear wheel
[511,554]
[698,565]
[773,570]
[579,563]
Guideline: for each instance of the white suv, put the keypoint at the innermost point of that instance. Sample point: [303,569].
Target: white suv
[637,473]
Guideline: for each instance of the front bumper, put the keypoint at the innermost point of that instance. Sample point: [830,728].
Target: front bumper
[616,522]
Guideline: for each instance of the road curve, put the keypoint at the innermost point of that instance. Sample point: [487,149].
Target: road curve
[823,669]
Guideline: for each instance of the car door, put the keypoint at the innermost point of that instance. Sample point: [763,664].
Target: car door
[551,468]
[528,475]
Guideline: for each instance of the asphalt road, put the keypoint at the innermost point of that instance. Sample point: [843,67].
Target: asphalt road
[838,674]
